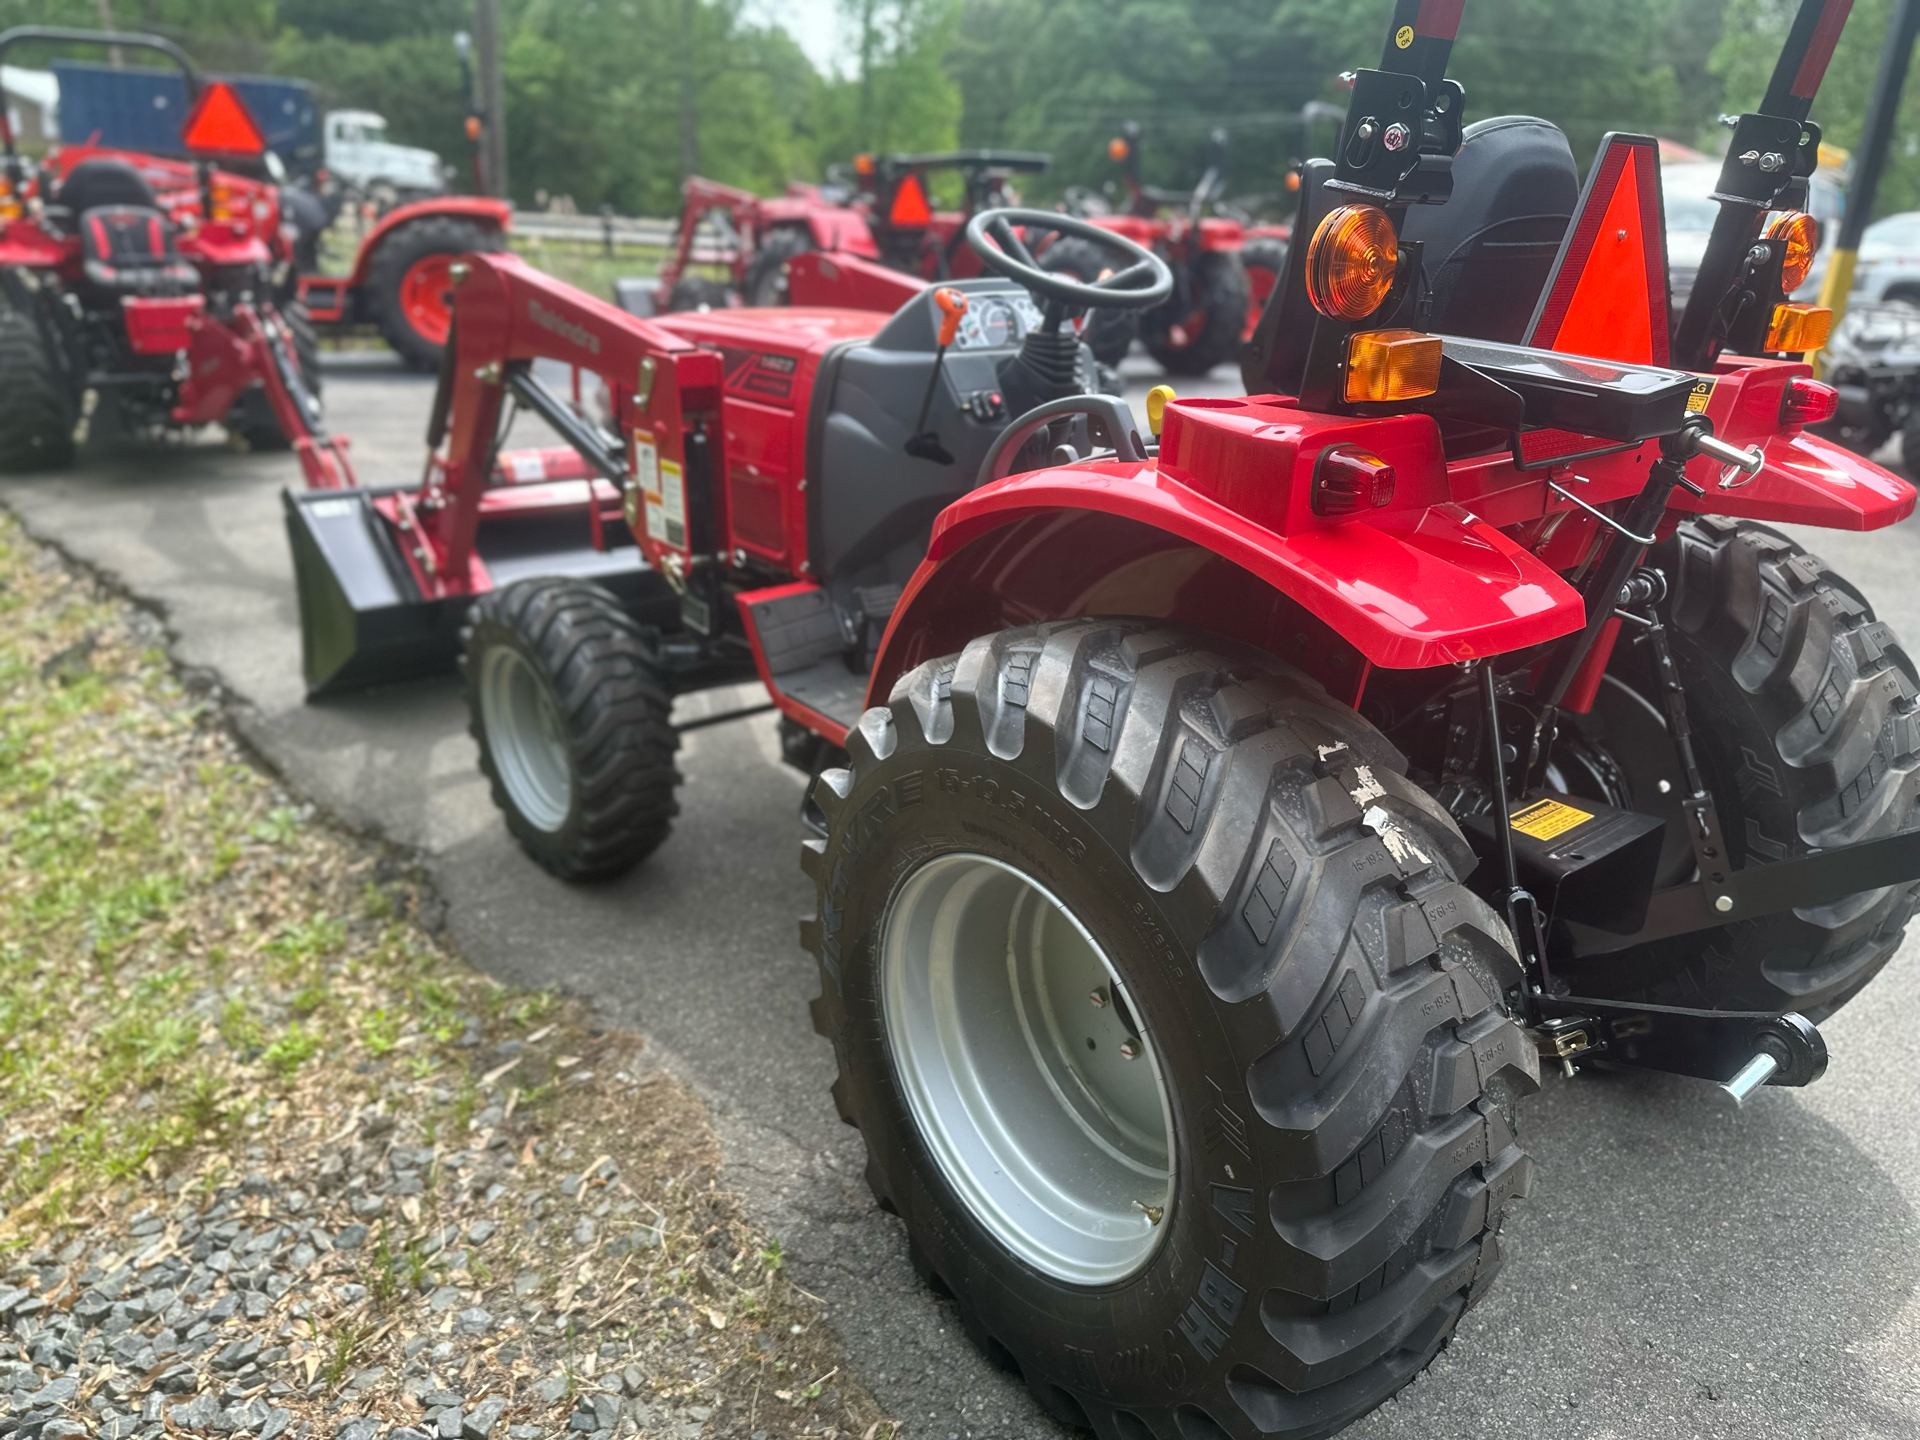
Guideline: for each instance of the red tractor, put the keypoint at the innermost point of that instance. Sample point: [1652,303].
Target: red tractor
[401,282]
[889,218]
[1216,822]
[1224,268]
[140,291]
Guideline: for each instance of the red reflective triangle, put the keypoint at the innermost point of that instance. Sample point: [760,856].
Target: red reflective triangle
[220,124]
[910,205]
[1608,295]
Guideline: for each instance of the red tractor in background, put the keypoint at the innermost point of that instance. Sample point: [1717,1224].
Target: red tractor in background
[141,291]
[1224,266]
[887,217]
[401,281]
[1217,822]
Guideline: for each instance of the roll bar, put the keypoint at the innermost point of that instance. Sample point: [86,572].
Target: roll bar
[62,35]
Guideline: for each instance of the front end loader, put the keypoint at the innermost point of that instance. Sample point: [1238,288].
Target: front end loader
[1216,823]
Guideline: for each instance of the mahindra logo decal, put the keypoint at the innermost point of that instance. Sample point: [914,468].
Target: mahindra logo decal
[563,327]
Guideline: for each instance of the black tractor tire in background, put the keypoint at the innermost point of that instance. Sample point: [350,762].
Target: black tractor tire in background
[252,418]
[566,702]
[1909,445]
[1265,260]
[764,283]
[36,422]
[1803,712]
[1206,332]
[398,252]
[1323,1003]
[697,292]
[1109,333]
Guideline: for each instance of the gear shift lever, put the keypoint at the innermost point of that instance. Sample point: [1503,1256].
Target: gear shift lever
[923,444]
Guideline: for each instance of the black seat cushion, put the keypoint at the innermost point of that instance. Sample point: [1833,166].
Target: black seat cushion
[93,183]
[129,249]
[1490,248]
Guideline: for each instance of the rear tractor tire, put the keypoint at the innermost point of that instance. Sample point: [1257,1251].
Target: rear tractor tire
[1173,1037]
[409,282]
[763,285]
[1805,712]
[571,717]
[1207,333]
[1108,332]
[36,428]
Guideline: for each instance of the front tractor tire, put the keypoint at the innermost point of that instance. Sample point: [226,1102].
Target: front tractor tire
[1172,1035]
[36,427]
[572,722]
[409,283]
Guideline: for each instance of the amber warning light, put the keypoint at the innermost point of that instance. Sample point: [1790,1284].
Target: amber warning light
[1392,365]
[1803,238]
[1351,261]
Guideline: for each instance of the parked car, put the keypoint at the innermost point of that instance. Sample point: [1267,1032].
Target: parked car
[1889,263]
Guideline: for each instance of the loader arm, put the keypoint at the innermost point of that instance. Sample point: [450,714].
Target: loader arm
[511,315]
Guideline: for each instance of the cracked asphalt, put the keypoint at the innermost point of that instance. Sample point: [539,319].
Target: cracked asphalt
[1679,1272]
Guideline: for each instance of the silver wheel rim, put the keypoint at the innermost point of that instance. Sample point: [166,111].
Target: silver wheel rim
[526,738]
[1057,1141]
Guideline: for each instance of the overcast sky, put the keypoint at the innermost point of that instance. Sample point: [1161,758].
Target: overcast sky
[814,23]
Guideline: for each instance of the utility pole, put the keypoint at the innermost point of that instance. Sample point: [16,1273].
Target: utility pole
[114,57]
[689,92]
[1875,137]
[493,95]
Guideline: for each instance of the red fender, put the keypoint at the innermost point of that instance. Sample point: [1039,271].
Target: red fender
[495,213]
[1122,538]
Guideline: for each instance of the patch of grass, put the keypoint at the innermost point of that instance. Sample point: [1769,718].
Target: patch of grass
[294,1047]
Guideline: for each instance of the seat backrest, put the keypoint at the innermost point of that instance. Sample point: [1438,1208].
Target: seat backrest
[1490,248]
[93,183]
[126,237]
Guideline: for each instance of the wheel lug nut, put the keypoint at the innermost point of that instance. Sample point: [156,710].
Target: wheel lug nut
[1098,996]
[1129,1049]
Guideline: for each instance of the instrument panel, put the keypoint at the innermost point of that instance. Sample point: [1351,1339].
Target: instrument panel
[997,322]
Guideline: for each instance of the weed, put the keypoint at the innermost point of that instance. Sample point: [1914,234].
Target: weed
[294,1047]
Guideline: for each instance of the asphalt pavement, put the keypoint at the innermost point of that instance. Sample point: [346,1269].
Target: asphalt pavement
[1679,1272]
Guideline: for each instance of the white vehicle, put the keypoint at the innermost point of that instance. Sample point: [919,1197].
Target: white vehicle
[359,154]
[1889,263]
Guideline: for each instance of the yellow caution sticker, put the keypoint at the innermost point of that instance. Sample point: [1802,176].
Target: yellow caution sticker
[1702,393]
[1546,819]
[1403,37]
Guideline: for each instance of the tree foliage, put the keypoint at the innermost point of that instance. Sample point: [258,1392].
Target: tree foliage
[601,92]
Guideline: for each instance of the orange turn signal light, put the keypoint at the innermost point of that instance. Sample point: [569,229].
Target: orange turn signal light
[473,127]
[1796,329]
[1117,149]
[1351,262]
[863,164]
[1392,365]
[1802,235]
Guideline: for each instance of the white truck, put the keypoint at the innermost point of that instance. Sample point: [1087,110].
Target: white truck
[359,155]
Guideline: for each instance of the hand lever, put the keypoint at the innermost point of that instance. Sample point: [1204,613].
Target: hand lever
[923,444]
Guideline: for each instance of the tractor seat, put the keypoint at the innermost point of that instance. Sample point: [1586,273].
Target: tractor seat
[1489,249]
[93,183]
[129,250]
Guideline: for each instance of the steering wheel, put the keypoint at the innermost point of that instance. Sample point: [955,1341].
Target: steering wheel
[1143,283]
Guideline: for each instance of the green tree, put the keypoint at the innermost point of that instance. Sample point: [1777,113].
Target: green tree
[900,96]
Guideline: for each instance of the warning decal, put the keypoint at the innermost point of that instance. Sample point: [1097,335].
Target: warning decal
[1546,819]
[1702,393]
[673,504]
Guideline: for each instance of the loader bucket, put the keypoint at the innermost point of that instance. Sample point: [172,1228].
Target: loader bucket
[363,619]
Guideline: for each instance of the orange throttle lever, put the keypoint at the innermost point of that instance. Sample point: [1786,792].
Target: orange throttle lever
[924,444]
[953,309]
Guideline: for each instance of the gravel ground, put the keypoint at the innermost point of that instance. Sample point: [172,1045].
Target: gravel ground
[274,1161]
